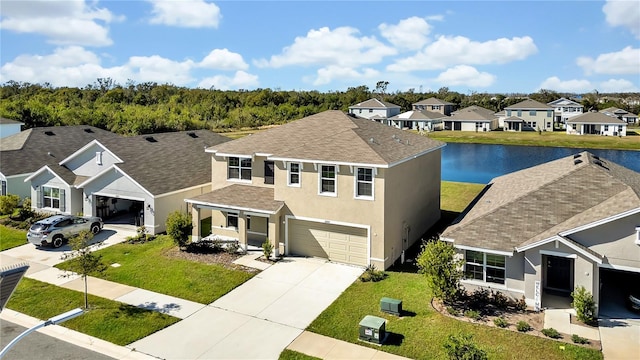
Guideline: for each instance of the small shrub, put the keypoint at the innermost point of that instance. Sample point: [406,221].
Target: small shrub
[500,300]
[437,261]
[25,211]
[179,228]
[479,299]
[472,314]
[8,203]
[452,311]
[579,339]
[552,333]
[462,347]
[523,326]
[267,248]
[500,322]
[232,248]
[372,274]
[521,305]
[584,305]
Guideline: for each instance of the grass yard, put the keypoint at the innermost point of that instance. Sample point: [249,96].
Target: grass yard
[294,355]
[10,237]
[148,267]
[532,138]
[455,196]
[109,320]
[422,332]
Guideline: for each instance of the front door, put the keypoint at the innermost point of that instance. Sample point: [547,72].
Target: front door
[268,172]
[559,273]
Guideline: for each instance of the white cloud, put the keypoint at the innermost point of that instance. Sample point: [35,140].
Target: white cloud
[448,51]
[223,59]
[240,80]
[330,73]
[69,22]
[187,13]
[411,33]
[158,69]
[625,61]
[340,47]
[623,13]
[465,75]
[617,86]
[554,83]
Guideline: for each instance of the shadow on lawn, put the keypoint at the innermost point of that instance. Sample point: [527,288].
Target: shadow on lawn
[393,339]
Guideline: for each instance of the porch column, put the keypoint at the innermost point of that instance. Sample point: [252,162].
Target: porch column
[274,234]
[242,230]
[195,221]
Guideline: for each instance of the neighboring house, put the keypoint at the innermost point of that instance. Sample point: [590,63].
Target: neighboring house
[542,231]
[623,115]
[534,115]
[374,109]
[9,127]
[564,110]
[422,120]
[329,185]
[435,105]
[596,123]
[472,118]
[24,153]
[501,115]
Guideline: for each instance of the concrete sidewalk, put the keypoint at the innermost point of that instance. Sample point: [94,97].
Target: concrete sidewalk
[324,347]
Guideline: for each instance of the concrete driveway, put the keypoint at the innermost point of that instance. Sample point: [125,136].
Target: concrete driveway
[258,319]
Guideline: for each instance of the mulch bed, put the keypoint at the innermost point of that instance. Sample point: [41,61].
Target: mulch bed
[221,258]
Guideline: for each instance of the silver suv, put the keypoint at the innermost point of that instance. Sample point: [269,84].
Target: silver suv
[54,230]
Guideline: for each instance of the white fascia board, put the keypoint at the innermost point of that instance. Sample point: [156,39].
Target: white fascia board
[222,207]
[42,170]
[14,176]
[415,156]
[246,156]
[488,251]
[565,242]
[114,168]
[84,148]
[600,222]
[310,161]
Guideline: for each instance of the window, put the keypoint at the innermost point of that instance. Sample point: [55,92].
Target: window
[485,267]
[232,220]
[359,111]
[269,168]
[327,179]
[519,112]
[574,126]
[364,182]
[619,128]
[370,110]
[606,128]
[549,113]
[435,107]
[248,222]
[532,113]
[3,187]
[535,125]
[239,168]
[508,112]
[294,174]
[548,124]
[51,197]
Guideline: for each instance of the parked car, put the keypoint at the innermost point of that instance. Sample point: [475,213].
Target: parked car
[54,230]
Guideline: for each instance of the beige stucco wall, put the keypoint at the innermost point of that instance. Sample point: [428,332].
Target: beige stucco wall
[540,117]
[163,205]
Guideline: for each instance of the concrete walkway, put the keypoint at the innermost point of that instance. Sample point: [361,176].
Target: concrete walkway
[324,347]
[560,319]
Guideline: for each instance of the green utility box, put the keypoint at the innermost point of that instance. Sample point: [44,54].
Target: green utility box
[391,306]
[372,329]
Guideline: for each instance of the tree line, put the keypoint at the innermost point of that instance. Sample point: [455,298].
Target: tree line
[143,108]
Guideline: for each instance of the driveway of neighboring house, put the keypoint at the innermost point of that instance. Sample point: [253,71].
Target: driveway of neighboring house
[258,319]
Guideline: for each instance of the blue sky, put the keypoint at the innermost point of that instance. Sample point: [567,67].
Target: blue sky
[467,46]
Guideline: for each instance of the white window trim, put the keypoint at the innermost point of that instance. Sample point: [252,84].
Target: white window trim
[355,184]
[335,179]
[289,174]
[484,268]
[239,179]
[231,213]
[50,197]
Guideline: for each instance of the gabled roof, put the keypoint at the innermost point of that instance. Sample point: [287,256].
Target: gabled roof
[373,104]
[564,102]
[432,101]
[543,201]
[614,110]
[333,137]
[529,105]
[473,113]
[242,198]
[5,121]
[595,118]
[418,115]
[514,119]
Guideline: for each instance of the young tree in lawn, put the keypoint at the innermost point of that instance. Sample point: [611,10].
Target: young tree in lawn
[83,260]
[437,261]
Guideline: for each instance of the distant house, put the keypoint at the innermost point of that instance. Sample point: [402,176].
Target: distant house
[529,115]
[543,231]
[422,120]
[596,123]
[329,185]
[9,127]
[564,110]
[472,118]
[435,105]
[621,114]
[374,109]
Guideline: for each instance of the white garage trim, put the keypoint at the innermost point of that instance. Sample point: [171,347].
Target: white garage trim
[619,267]
[118,196]
[328,222]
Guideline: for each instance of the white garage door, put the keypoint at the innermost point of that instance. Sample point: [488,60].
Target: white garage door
[335,242]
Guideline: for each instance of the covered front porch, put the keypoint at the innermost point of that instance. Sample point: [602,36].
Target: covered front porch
[245,213]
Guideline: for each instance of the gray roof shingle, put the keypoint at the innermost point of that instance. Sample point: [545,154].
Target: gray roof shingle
[529,104]
[241,197]
[432,101]
[595,118]
[473,113]
[373,103]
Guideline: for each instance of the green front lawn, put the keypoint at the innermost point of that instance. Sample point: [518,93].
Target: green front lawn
[287,354]
[148,266]
[109,320]
[10,237]
[422,332]
[455,196]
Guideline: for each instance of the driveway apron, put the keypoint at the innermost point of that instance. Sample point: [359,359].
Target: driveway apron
[258,319]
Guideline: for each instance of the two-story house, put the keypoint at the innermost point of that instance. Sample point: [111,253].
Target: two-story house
[435,105]
[374,109]
[564,110]
[329,185]
[9,127]
[529,115]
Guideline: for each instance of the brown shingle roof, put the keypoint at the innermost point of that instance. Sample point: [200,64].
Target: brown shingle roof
[432,101]
[373,103]
[473,113]
[241,197]
[332,136]
[595,118]
[529,104]
[539,202]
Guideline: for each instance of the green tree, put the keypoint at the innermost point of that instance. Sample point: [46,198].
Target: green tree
[179,228]
[437,261]
[82,259]
[8,203]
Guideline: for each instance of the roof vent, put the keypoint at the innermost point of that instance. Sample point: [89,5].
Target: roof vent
[595,157]
[87,130]
[599,163]
[193,135]
[150,139]
[49,133]
[577,161]
[577,156]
